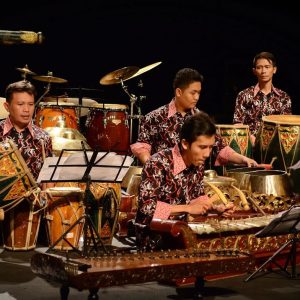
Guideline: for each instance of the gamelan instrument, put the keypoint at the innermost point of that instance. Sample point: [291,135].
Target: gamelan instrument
[119,269]
[19,198]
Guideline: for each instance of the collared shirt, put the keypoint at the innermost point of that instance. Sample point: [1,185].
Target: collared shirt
[31,142]
[252,104]
[166,180]
[160,129]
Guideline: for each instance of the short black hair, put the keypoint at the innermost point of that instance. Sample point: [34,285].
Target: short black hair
[185,77]
[266,55]
[198,124]
[19,87]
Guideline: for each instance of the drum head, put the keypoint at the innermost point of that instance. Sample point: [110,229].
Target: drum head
[282,119]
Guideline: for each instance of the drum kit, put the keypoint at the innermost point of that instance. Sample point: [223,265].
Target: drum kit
[107,127]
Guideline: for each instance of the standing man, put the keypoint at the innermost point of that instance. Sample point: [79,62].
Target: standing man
[263,99]
[33,142]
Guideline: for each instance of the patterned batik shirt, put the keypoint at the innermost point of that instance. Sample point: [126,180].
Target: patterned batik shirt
[165,178]
[252,104]
[31,142]
[160,129]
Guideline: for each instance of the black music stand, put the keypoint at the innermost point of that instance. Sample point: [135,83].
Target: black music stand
[287,223]
[93,238]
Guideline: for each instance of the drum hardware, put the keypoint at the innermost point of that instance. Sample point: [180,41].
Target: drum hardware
[287,223]
[49,79]
[25,71]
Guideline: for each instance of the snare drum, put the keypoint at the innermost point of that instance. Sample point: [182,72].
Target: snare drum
[56,115]
[107,128]
[237,137]
[64,208]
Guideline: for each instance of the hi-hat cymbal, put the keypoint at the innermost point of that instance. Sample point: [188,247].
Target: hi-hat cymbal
[119,75]
[25,70]
[145,69]
[49,79]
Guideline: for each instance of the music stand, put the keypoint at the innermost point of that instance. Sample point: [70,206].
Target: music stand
[287,223]
[89,226]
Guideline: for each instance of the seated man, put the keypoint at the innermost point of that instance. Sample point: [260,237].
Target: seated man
[172,179]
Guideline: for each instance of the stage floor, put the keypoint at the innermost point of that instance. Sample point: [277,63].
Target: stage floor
[17,281]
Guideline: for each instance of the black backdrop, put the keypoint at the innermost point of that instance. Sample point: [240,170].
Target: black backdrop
[83,42]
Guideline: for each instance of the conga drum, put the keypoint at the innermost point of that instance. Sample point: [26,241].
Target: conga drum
[19,198]
[64,209]
[237,137]
[108,128]
[56,115]
[278,137]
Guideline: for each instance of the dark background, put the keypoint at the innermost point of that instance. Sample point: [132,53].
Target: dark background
[84,42]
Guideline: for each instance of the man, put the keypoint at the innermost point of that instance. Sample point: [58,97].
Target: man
[33,142]
[172,179]
[160,128]
[262,99]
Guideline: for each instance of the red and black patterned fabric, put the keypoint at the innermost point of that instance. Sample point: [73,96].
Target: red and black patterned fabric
[30,143]
[252,104]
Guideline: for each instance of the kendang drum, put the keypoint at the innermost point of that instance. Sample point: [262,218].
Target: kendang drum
[64,209]
[56,115]
[19,198]
[278,141]
[237,137]
[108,128]
[103,201]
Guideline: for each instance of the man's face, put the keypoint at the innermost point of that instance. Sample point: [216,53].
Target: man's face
[21,109]
[188,97]
[264,70]
[197,152]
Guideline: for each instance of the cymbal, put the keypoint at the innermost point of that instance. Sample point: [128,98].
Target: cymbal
[25,70]
[49,79]
[145,69]
[118,75]
[66,133]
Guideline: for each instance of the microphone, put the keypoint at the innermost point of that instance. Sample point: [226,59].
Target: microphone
[20,37]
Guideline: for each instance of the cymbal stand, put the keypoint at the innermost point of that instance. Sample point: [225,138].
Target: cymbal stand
[133,100]
[43,95]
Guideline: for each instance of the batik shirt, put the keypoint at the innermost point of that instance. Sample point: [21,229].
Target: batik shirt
[166,180]
[160,130]
[252,104]
[30,142]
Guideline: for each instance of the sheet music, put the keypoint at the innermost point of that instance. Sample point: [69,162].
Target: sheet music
[99,172]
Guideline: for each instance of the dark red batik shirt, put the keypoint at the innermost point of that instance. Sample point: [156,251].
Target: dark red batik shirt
[252,104]
[30,143]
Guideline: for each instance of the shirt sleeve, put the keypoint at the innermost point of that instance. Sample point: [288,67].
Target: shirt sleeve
[224,156]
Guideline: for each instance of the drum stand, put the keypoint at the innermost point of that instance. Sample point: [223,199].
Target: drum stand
[287,223]
[133,100]
[90,233]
